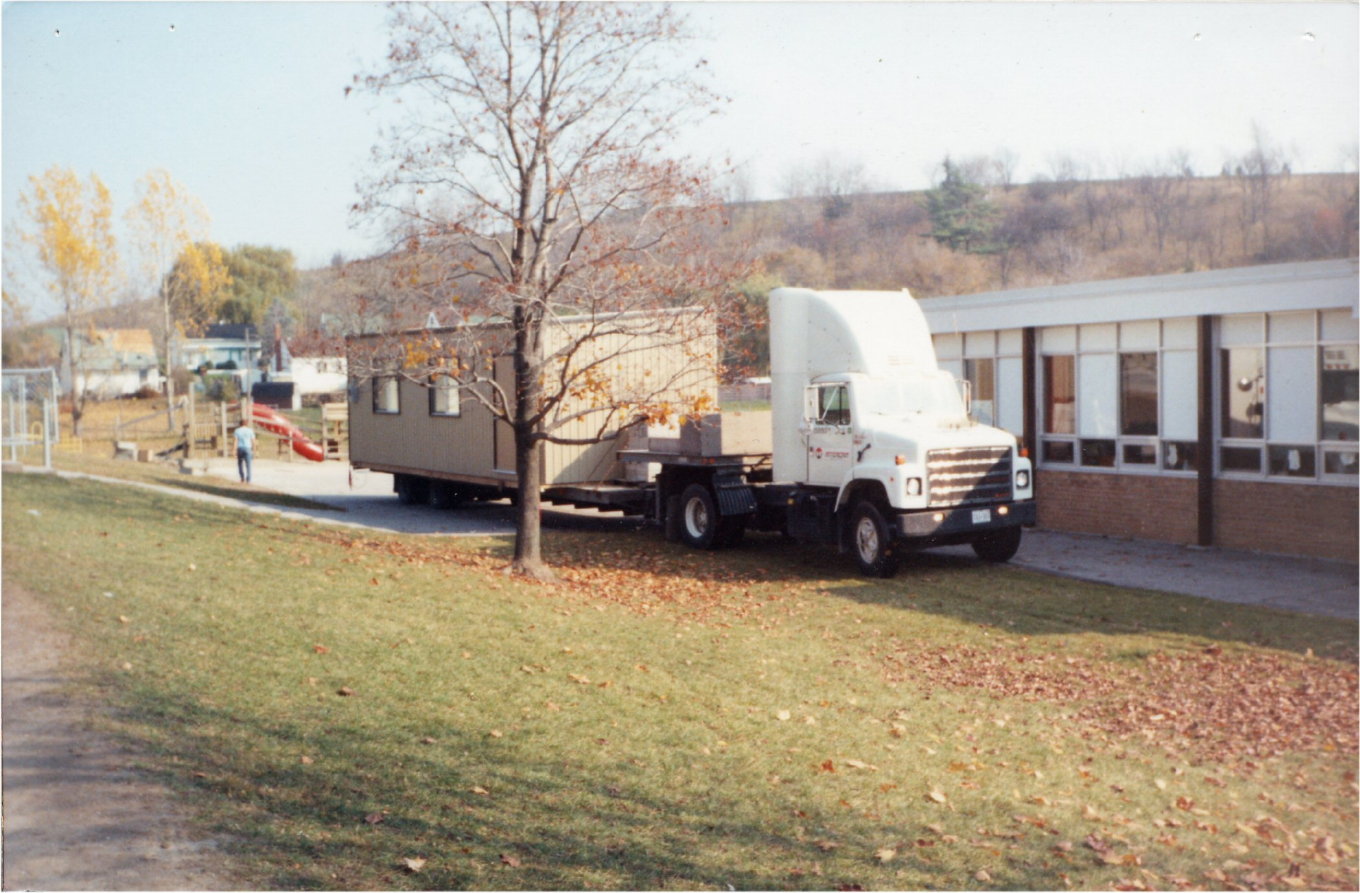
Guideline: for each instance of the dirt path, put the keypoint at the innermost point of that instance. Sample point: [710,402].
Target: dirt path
[75,816]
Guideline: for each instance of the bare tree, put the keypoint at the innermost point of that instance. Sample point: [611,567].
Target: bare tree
[527,187]
[1258,175]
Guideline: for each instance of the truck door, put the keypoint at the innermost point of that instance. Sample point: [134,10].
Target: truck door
[828,434]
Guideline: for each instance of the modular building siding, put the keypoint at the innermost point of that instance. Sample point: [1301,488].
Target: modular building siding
[1215,408]
[473,445]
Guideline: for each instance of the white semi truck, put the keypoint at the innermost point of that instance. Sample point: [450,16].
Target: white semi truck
[868,447]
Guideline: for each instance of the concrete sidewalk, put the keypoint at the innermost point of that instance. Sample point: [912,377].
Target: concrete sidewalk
[1313,586]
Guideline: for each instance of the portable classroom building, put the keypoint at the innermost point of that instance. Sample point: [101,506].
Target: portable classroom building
[438,431]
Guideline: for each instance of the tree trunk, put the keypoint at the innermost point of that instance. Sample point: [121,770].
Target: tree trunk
[528,358]
[528,560]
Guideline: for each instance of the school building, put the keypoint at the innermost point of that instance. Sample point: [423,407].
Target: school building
[1218,409]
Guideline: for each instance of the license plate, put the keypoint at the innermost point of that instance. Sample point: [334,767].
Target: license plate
[982,516]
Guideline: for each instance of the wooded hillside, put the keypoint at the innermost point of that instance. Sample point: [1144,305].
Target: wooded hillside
[963,237]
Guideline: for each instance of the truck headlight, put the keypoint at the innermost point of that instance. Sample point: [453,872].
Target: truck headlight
[913,486]
[1022,479]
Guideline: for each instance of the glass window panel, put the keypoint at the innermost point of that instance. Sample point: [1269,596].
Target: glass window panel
[1097,395]
[1060,395]
[1098,453]
[1240,459]
[444,397]
[981,377]
[386,394]
[1242,331]
[1101,337]
[1010,396]
[948,346]
[1058,451]
[1180,395]
[1339,325]
[1141,335]
[1140,453]
[1058,339]
[1179,455]
[1291,402]
[1340,392]
[1138,394]
[1180,334]
[1292,328]
[979,344]
[1244,392]
[1291,461]
[1341,461]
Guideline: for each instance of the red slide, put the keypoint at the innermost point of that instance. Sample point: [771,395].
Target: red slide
[274,423]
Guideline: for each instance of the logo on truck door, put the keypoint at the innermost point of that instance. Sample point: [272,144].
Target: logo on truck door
[818,453]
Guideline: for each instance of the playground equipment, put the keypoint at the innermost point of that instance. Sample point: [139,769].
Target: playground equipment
[279,426]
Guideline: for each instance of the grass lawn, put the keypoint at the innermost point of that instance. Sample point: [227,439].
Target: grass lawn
[371,712]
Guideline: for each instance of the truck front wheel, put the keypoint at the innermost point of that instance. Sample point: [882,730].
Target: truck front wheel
[872,541]
[998,547]
[699,518]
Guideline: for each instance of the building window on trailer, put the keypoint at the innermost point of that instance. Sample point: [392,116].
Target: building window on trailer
[445,398]
[386,394]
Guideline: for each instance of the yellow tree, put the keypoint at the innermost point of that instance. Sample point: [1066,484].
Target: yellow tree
[168,225]
[72,232]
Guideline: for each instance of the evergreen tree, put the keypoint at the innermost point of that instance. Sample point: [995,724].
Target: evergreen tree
[961,215]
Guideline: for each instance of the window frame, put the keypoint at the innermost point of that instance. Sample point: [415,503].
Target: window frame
[378,385]
[442,383]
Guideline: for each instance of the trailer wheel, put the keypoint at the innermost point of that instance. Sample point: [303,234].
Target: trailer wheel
[872,541]
[1000,546]
[411,489]
[445,495]
[699,518]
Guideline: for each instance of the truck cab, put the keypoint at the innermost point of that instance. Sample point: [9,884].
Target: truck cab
[874,440]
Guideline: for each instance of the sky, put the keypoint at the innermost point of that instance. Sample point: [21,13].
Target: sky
[244,103]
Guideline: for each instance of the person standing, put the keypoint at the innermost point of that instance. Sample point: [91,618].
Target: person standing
[245,449]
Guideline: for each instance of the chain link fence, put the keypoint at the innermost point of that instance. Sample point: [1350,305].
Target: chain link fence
[28,412]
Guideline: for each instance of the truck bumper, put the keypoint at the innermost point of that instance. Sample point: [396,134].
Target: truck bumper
[959,522]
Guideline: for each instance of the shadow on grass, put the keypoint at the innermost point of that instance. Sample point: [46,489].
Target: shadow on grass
[1011,599]
[484,813]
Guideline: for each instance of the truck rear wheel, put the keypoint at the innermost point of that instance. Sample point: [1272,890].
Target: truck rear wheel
[871,539]
[998,547]
[699,518]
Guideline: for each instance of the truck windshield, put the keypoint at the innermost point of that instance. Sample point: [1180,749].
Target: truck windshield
[902,397]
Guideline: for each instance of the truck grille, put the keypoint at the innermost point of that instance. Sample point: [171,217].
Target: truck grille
[969,475]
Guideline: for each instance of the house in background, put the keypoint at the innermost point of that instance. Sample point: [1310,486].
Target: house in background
[1219,408]
[315,364]
[228,348]
[111,363]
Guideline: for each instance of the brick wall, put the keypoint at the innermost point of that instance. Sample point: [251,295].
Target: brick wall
[1290,519]
[1141,506]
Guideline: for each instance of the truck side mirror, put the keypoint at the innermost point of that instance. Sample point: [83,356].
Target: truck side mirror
[966,394]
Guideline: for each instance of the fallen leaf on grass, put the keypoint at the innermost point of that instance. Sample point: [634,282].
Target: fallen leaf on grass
[886,854]
[982,876]
[480,791]
[345,691]
[511,861]
[860,764]
[413,865]
[935,795]
[374,818]
[320,649]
